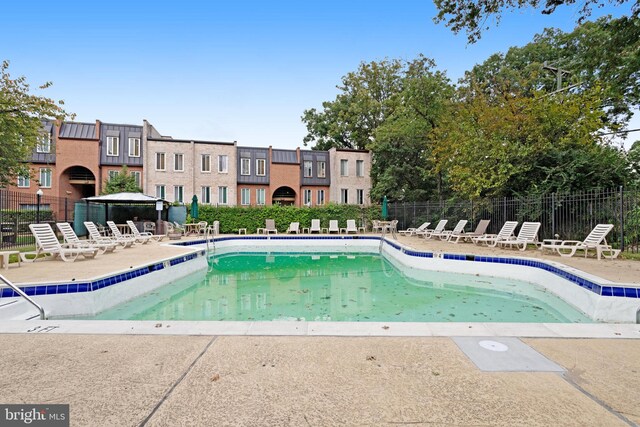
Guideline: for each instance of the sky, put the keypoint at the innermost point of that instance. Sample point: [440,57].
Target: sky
[234,70]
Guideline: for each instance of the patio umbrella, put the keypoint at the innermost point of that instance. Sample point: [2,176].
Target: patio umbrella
[194,207]
[385,212]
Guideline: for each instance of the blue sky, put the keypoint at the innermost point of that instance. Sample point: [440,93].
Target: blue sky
[232,70]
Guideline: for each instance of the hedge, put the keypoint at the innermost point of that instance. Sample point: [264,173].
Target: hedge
[233,218]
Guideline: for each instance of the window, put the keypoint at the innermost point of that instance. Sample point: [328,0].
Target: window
[245,196]
[359,167]
[205,195]
[223,163]
[160,166]
[320,199]
[160,191]
[222,195]
[322,169]
[45,178]
[205,163]
[360,197]
[24,181]
[344,195]
[112,174]
[260,199]
[134,147]
[44,143]
[245,166]
[112,145]
[261,167]
[138,177]
[178,193]
[307,197]
[344,167]
[308,169]
[178,162]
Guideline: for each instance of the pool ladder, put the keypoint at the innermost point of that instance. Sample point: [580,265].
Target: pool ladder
[211,230]
[25,296]
[384,233]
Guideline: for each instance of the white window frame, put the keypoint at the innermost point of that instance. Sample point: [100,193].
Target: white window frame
[344,167]
[307,168]
[177,156]
[307,197]
[320,198]
[161,191]
[138,177]
[134,147]
[44,143]
[205,194]
[45,173]
[344,196]
[223,196]
[161,157]
[112,174]
[245,196]
[360,196]
[359,167]
[178,193]
[113,146]
[261,164]
[223,163]
[322,169]
[24,181]
[261,196]
[245,166]
[205,160]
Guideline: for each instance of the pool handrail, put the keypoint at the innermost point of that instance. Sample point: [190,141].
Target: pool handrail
[23,295]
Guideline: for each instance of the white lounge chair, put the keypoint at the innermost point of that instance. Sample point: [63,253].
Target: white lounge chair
[528,234]
[333,226]
[270,227]
[480,230]
[315,226]
[47,244]
[412,231]
[596,240]
[446,234]
[72,239]
[294,227]
[95,236]
[351,227]
[505,233]
[119,237]
[428,232]
[143,235]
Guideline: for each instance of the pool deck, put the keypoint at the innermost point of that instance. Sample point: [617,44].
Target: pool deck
[182,373]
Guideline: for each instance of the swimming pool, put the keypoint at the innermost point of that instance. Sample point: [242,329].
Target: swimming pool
[360,287]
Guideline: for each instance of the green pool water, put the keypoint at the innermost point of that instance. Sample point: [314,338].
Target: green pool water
[325,287]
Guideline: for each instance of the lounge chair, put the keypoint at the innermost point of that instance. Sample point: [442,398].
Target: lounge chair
[294,227]
[412,231]
[333,226]
[446,234]
[72,240]
[315,226]
[480,230]
[119,237]
[505,233]
[144,235]
[270,227]
[528,234]
[351,227]
[47,244]
[428,231]
[595,240]
[95,236]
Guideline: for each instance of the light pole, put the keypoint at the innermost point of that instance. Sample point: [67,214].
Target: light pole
[38,197]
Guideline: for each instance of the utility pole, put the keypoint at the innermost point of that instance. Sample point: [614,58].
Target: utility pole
[559,72]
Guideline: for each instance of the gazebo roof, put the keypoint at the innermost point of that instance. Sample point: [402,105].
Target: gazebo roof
[123,198]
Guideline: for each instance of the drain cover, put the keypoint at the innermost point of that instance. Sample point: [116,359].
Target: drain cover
[493,345]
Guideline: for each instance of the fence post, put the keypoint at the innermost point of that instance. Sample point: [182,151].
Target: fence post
[553,215]
[473,218]
[621,218]
[504,210]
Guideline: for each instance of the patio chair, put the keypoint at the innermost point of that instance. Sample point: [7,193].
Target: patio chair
[528,234]
[480,230]
[412,231]
[375,226]
[143,235]
[72,239]
[315,226]
[595,240]
[351,227]
[505,233]
[97,237]
[119,237]
[202,227]
[294,227]
[333,226]
[446,234]
[270,227]
[427,232]
[47,244]
[213,229]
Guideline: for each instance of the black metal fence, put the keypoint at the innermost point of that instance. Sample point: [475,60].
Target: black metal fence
[565,216]
[18,210]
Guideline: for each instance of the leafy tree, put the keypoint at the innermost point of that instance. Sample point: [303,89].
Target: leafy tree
[21,117]
[633,156]
[472,15]
[122,182]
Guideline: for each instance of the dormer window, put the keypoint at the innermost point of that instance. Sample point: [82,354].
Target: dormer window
[44,143]
[113,143]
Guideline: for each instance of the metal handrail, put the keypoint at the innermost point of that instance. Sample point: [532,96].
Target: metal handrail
[25,296]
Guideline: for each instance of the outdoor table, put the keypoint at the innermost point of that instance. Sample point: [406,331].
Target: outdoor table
[191,229]
[4,258]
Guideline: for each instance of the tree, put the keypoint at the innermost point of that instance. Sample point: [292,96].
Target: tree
[472,15]
[21,118]
[121,183]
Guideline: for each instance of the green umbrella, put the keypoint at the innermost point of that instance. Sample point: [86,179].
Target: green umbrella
[385,212]
[194,207]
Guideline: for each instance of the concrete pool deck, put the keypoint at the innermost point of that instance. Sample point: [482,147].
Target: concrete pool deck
[160,374]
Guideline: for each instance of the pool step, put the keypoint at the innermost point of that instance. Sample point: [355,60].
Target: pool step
[18,309]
